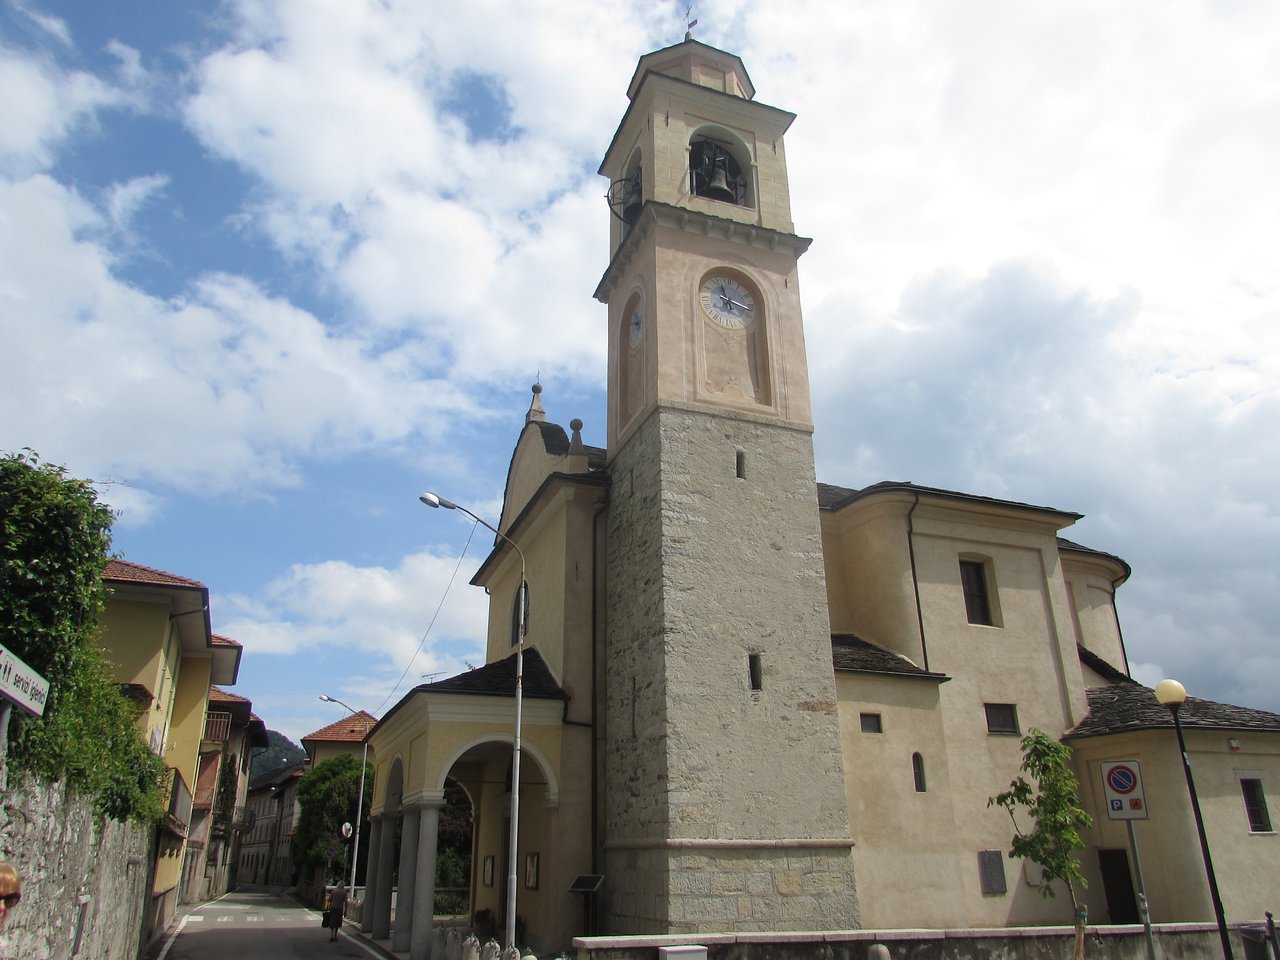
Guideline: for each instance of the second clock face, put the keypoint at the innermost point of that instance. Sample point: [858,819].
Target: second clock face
[637,324]
[727,301]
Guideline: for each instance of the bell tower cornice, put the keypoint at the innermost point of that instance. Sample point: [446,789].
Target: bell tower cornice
[656,214]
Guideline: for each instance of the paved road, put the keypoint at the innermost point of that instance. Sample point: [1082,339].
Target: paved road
[255,926]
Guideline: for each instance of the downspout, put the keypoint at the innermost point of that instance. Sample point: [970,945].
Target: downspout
[1115,615]
[915,581]
[596,586]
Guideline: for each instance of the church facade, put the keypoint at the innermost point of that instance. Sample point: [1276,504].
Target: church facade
[753,702]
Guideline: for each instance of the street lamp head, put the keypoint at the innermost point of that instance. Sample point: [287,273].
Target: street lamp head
[435,500]
[327,699]
[1171,693]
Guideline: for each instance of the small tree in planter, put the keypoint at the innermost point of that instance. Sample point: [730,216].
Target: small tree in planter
[1057,817]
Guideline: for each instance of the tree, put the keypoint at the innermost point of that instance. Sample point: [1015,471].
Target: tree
[327,800]
[1058,819]
[54,538]
[280,752]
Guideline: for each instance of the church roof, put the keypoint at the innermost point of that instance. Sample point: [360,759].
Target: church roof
[852,654]
[831,497]
[1102,667]
[1127,707]
[556,442]
[498,679]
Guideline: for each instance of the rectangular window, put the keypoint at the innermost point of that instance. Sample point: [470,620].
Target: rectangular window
[755,671]
[991,872]
[1255,805]
[1002,718]
[870,723]
[977,598]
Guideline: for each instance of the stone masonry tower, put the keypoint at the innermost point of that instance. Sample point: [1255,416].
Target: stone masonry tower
[725,798]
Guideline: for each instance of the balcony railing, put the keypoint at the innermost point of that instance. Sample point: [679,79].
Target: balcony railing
[179,803]
[217,725]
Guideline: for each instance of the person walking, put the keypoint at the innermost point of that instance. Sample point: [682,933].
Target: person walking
[337,907]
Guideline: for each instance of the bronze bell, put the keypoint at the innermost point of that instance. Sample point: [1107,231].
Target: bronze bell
[718,186]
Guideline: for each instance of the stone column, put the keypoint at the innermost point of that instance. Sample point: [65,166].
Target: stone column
[424,892]
[408,878]
[386,863]
[370,875]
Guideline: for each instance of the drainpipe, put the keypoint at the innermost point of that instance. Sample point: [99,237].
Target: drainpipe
[915,581]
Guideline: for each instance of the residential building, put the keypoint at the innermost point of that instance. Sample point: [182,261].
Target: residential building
[156,629]
[271,811]
[231,731]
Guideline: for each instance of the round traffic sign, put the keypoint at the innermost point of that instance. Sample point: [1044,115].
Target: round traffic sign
[1122,779]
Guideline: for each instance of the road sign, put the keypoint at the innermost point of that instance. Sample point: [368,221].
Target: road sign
[1122,788]
[21,685]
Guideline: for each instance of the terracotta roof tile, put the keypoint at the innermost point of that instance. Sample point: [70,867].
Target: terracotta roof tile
[852,654]
[1125,707]
[220,641]
[350,729]
[217,694]
[124,571]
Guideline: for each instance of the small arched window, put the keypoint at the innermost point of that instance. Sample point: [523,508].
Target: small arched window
[515,615]
[917,770]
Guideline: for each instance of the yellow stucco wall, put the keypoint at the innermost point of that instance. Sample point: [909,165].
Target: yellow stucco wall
[139,640]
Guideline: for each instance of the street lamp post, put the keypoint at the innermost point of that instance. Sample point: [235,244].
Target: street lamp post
[1173,695]
[434,500]
[364,766]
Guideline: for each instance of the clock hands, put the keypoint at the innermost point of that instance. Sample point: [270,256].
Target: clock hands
[730,302]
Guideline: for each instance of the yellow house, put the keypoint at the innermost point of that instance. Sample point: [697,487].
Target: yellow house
[751,702]
[156,629]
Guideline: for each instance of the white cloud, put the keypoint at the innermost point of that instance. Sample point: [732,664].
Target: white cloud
[43,105]
[376,614]
[223,389]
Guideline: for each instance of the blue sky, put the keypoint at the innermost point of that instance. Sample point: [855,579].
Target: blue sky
[269,270]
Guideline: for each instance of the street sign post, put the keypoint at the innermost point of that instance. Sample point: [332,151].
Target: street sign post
[20,685]
[1127,801]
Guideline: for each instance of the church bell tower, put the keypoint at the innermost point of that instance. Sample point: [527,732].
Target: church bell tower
[725,800]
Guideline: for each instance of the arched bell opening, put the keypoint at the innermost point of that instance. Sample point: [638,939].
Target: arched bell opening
[626,194]
[719,168]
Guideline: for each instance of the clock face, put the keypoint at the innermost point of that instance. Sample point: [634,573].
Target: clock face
[728,302]
[637,324]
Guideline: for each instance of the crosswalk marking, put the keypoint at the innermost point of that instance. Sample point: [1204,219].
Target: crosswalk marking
[194,918]
[253,917]
[225,919]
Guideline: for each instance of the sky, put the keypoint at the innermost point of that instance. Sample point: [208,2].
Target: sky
[271,268]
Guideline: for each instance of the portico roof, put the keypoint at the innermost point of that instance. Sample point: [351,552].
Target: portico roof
[497,679]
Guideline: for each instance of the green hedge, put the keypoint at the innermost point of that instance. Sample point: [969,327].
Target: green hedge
[54,543]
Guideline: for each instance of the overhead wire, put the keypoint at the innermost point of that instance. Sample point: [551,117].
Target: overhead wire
[421,643]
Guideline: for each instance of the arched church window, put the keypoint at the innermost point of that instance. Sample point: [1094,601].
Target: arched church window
[515,615]
[715,173]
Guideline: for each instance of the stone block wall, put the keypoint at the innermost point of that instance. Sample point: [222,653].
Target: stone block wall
[84,878]
[724,777]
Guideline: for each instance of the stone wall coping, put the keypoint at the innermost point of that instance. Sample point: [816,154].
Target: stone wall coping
[604,944]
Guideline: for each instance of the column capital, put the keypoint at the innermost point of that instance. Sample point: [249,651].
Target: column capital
[422,800]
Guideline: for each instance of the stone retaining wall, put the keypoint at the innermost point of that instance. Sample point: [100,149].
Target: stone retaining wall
[1174,941]
[84,877]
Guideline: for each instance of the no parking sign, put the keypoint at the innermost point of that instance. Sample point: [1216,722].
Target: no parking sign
[1122,788]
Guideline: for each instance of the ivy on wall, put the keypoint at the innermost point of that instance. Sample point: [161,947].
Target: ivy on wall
[54,543]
